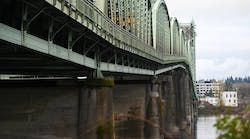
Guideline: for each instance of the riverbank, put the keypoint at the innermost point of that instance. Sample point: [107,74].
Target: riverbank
[209,109]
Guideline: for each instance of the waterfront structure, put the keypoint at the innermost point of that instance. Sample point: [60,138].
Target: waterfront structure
[229,98]
[209,88]
[212,100]
[209,91]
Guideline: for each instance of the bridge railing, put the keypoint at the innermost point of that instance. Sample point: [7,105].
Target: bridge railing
[104,23]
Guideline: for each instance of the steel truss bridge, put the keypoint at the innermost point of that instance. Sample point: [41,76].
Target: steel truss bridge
[76,35]
[72,38]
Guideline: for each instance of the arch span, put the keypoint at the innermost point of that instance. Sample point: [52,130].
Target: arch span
[182,43]
[175,35]
[161,27]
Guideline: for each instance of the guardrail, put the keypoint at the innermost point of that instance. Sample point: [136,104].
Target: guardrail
[102,21]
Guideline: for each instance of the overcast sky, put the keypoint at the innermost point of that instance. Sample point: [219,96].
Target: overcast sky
[223,35]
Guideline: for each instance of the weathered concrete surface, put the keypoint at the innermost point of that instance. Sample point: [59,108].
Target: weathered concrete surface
[154,111]
[129,109]
[137,111]
[178,117]
[56,111]
[35,113]
[169,117]
[157,109]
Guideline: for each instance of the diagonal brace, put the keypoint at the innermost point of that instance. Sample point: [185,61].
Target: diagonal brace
[78,38]
[91,47]
[111,58]
[35,16]
[57,31]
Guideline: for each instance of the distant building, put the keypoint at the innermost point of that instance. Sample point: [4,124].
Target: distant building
[229,98]
[212,100]
[209,88]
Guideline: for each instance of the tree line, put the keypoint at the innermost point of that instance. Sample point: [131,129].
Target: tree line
[237,79]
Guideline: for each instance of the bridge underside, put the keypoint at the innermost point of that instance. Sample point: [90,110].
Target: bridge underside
[18,60]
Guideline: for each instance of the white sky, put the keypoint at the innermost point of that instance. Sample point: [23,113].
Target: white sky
[223,35]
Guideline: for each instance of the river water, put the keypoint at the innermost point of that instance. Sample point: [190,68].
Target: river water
[205,128]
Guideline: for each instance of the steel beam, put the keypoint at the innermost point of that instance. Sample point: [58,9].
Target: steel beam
[78,38]
[59,29]
[29,21]
[91,47]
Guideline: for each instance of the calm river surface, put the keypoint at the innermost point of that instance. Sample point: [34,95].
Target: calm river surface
[205,128]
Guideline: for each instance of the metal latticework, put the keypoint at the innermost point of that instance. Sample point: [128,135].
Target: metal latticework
[162,31]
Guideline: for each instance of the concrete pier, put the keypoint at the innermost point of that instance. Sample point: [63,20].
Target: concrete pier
[38,109]
[153,111]
[129,109]
[149,108]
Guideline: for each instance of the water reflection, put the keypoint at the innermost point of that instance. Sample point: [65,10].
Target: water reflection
[205,128]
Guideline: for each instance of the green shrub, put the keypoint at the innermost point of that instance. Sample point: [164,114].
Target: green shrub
[234,127]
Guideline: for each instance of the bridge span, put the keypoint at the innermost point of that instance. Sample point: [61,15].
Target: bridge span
[139,65]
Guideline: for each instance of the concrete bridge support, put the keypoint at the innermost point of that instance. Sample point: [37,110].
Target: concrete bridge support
[168,95]
[129,109]
[184,99]
[137,108]
[97,111]
[159,108]
[154,109]
[178,103]
[55,110]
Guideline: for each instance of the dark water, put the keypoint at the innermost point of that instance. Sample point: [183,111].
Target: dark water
[205,128]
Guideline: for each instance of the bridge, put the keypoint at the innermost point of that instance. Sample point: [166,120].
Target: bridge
[100,69]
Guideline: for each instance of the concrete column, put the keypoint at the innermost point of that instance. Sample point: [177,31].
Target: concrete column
[97,110]
[185,125]
[170,127]
[153,112]
[176,82]
[190,116]
[178,116]
[179,89]
[194,112]
[188,102]
[195,119]
[129,109]
[105,129]
[184,96]
[88,113]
